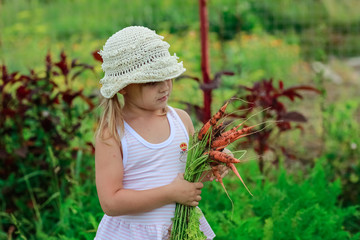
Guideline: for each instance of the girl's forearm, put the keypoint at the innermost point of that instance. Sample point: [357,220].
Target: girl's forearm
[127,201]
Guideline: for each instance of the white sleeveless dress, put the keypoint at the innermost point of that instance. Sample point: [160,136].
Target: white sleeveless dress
[147,166]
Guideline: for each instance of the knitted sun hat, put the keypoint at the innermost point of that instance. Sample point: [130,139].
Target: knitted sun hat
[136,55]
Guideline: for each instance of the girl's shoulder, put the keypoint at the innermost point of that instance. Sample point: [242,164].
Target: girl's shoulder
[185,118]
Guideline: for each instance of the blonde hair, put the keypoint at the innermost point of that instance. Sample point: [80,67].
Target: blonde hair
[111,119]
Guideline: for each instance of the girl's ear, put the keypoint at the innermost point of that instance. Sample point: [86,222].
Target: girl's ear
[122,91]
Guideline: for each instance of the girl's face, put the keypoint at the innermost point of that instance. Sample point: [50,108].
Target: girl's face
[148,96]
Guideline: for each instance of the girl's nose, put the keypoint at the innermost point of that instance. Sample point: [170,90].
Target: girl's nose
[166,85]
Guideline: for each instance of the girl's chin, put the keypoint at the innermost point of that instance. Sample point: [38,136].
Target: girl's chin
[164,104]
[160,105]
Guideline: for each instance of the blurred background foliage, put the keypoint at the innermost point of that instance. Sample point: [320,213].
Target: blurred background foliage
[321,27]
[47,164]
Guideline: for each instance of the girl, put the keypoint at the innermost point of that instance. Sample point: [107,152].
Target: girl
[141,146]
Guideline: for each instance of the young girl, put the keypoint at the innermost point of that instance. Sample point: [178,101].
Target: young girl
[141,146]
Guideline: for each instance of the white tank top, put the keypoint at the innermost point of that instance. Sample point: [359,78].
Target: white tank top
[146,166]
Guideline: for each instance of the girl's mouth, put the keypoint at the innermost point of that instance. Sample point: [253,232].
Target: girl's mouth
[164,98]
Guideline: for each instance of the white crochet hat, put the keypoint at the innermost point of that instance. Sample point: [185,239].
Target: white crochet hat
[136,55]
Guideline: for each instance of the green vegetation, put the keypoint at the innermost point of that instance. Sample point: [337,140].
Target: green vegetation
[282,207]
[47,186]
[29,28]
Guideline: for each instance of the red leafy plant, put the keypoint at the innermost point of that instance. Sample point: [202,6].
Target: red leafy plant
[40,116]
[202,112]
[267,97]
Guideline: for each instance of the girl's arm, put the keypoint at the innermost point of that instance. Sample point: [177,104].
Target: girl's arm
[115,200]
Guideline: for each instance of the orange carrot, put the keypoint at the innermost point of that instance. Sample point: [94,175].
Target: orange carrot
[218,115]
[233,168]
[221,142]
[217,174]
[232,132]
[217,130]
[227,133]
[204,130]
[221,157]
[212,121]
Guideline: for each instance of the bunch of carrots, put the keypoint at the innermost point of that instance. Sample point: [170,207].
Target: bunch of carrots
[206,154]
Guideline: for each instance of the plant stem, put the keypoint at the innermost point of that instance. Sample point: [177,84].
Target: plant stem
[205,65]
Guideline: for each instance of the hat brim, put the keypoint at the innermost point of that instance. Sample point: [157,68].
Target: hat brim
[113,84]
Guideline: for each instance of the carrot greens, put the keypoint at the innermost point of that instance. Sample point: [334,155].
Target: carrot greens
[206,154]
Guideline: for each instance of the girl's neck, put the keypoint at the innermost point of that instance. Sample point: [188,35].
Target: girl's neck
[135,113]
[153,126]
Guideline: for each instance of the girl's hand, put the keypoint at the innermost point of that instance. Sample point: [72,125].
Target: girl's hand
[223,169]
[186,193]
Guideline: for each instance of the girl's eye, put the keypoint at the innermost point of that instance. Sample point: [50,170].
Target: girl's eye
[151,83]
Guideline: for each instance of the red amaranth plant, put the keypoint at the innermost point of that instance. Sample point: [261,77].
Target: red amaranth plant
[267,98]
[207,84]
[40,112]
